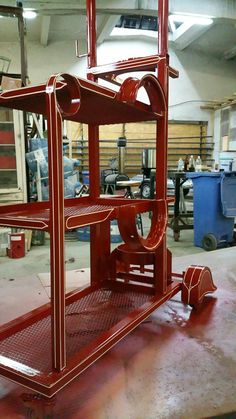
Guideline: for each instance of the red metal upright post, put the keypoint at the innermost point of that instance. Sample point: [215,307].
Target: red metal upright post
[163,14]
[162,139]
[57,254]
[91,34]
[93,130]
[100,235]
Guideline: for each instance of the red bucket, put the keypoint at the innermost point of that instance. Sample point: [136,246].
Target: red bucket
[16,245]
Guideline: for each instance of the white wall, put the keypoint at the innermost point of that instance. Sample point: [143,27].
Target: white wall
[42,61]
[201,77]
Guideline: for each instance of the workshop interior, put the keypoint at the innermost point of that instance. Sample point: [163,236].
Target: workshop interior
[117,209]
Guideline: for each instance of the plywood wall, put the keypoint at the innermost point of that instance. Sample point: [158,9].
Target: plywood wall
[183,139]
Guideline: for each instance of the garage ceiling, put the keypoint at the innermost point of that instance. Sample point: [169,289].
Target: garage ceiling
[59,20]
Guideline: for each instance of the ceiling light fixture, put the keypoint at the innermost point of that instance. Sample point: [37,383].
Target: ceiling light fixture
[133,32]
[29,14]
[191,19]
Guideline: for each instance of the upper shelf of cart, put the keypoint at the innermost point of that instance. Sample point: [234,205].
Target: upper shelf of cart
[84,101]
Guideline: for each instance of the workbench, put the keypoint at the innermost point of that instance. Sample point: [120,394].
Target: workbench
[178,364]
[182,218]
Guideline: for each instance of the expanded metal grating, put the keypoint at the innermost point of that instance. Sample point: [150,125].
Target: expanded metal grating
[44,214]
[86,209]
[86,319]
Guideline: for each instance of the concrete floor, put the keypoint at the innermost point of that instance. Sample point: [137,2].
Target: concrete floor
[179,364]
[78,254]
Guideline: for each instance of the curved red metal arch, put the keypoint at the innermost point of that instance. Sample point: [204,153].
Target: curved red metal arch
[129,90]
[67,98]
[129,232]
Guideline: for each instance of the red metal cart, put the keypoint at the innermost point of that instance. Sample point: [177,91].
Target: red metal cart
[46,348]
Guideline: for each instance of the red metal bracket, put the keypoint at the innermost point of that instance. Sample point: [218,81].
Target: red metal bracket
[196,284]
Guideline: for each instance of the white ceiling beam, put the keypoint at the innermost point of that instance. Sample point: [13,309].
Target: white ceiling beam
[187,33]
[216,8]
[45,26]
[110,7]
[106,27]
[72,6]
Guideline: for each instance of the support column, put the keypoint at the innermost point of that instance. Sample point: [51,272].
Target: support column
[99,234]
[162,140]
[56,194]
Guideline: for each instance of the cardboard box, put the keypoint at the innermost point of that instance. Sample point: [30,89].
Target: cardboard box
[225,143]
[6,115]
[10,83]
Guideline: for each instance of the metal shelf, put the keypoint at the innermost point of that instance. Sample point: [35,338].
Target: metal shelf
[77,212]
[94,319]
[90,102]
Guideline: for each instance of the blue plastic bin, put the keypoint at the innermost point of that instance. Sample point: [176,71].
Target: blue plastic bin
[214,202]
[83,233]
[85,177]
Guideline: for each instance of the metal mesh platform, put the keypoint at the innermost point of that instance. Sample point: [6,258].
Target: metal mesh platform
[29,351]
[36,217]
[43,215]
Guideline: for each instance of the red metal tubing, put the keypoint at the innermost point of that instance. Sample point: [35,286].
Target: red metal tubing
[162,125]
[91,34]
[56,191]
[161,140]
[93,137]
[93,130]
[163,7]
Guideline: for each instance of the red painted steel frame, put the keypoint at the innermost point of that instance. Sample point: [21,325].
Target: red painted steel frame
[45,349]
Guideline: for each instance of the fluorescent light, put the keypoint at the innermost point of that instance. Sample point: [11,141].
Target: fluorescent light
[29,14]
[191,19]
[133,32]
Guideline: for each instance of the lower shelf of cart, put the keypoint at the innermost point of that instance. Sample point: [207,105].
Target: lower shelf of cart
[96,318]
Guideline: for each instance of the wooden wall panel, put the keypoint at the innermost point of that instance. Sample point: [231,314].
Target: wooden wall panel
[183,139]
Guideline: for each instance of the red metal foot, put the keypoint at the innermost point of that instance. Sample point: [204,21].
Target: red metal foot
[197,283]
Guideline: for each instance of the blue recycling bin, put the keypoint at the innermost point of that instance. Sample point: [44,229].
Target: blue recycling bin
[83,233]
[214,205]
